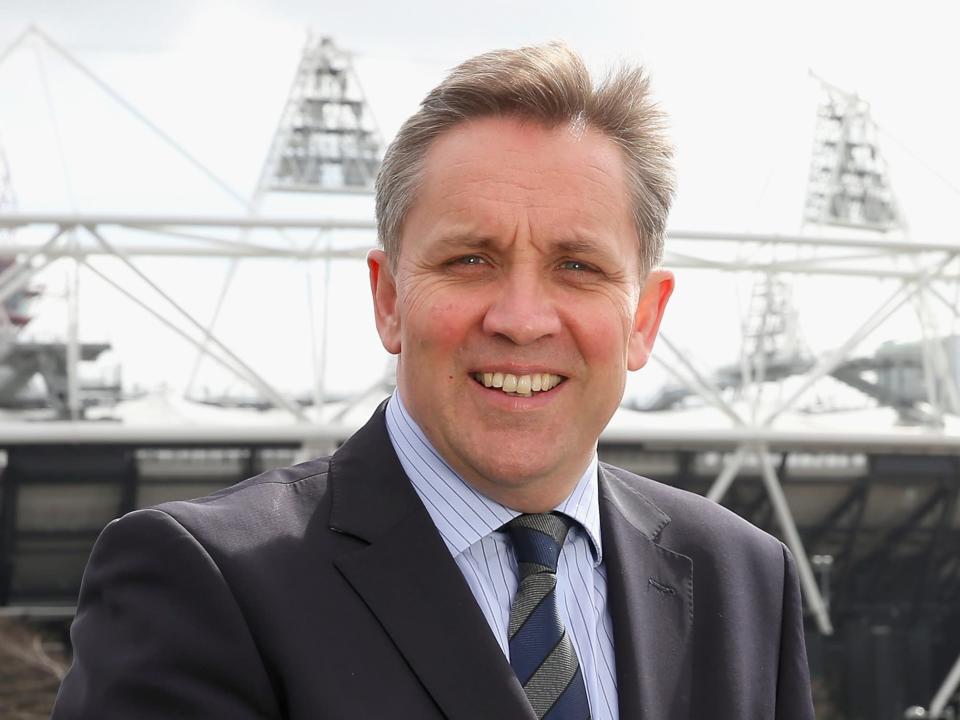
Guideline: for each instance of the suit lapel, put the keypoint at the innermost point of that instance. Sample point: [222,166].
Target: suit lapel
[650,591]
[408,579]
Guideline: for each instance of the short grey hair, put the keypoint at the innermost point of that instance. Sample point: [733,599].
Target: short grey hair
[550,84]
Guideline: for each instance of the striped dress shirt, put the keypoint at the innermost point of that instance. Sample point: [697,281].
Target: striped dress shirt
[470,523]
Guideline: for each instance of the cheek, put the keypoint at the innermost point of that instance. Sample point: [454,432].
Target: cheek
[605,345]
[602,330]
[437,321]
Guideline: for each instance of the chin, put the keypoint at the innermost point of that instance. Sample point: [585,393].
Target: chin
[516,474]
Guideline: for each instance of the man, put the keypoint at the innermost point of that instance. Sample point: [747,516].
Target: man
[464,555]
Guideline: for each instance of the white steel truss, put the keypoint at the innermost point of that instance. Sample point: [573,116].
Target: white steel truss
[81,239]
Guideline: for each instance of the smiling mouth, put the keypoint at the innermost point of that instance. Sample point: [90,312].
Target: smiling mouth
[521,385]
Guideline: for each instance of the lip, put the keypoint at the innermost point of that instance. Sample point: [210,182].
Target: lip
[518,370]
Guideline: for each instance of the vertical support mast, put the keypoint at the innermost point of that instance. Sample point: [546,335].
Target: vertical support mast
[327,141]
[8,200]
[8,203]
[14,307]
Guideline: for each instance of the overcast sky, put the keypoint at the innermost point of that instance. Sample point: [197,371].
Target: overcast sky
[734,78]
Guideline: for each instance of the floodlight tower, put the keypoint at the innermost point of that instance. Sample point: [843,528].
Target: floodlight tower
[849,183]
[13,311]
[772,342]
[8,203]
[327,142]
[849,186]
[327,139]
[8,200]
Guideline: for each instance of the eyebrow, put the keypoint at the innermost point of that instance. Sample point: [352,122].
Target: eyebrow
[571,246]
[578,247]
[473,242]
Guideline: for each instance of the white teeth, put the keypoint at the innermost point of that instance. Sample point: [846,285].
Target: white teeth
[548,381]
[524,385]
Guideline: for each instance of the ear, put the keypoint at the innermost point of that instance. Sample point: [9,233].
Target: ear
[653,301]
[384,290]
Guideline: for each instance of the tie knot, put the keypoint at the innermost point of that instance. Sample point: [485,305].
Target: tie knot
[537,540]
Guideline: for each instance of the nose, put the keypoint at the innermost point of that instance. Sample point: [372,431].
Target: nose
[522,310]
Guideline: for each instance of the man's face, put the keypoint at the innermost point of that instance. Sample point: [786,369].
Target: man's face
[519,258]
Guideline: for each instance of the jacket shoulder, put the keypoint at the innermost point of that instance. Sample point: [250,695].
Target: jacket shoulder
[697,524]
[271,505]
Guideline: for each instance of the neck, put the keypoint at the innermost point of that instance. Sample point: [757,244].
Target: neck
[514,487]
[530,497]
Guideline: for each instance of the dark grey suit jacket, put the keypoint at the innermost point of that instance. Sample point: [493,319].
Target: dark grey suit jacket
[325,591]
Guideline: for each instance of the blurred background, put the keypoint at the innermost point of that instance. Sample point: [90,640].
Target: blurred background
[185,205]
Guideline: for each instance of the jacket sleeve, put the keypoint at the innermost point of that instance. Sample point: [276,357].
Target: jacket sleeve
[158,632]
[794,699]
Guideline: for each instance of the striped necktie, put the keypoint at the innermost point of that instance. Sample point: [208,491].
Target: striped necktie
[541,652]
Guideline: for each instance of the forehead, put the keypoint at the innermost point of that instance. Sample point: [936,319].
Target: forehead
[494,173]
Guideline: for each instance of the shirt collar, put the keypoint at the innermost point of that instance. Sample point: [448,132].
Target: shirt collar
[462,514]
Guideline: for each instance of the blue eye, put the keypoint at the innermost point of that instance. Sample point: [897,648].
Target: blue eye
[470,260]
[576,266]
